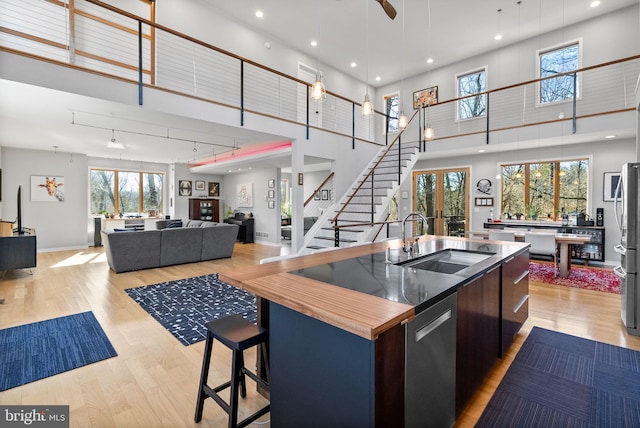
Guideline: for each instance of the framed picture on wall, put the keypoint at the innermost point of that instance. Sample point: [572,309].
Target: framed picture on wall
[425,97]
[47,188]
[611,180]
[214,189]
[325,195]
[272,194]
[200,185]
[271,204]
[272,183]
[184,187]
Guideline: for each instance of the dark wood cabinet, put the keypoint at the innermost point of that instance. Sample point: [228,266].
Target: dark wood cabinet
[515,297]
[477,334]
[204,209]
[18,251]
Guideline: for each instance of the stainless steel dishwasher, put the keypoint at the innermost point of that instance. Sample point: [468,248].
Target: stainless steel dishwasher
[430,376]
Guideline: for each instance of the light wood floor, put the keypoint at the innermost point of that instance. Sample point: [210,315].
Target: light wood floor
[153,381]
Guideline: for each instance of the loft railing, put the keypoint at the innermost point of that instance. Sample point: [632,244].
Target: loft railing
[92,35]
[95,36]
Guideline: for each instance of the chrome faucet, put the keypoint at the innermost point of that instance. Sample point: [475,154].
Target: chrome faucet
[408,248]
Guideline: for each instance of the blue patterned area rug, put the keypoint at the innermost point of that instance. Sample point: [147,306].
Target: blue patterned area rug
[558,380]
[35,351]
[184,306]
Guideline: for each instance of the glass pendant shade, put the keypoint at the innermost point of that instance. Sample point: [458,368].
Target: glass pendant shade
[367,107]
[428,133]
[318,92]
[402,120]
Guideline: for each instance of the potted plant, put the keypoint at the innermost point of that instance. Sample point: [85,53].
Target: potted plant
[532,212]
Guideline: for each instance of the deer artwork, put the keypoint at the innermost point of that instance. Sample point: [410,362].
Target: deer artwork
[53,188]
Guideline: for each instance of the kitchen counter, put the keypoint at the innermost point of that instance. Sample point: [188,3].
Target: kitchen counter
[374,343]
[353,289]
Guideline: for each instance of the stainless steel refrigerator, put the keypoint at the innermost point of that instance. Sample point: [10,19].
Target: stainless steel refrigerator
[626,207]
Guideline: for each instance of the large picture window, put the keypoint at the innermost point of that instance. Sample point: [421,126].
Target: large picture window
[557,61]
[469,84]
[542,190]
[126,192]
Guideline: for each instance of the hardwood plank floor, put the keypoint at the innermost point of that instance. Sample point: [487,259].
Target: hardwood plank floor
[153,381]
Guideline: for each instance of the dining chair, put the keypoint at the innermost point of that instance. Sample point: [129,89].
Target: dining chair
[543,244]
[500,235]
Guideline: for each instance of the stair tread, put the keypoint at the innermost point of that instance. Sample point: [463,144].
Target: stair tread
[330,238]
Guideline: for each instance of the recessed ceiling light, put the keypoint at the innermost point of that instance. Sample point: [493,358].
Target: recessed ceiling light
[595,3]
[497,37]
[314,43]
[429,60]
[378,78]
[609,137]
[481,151]
[259,14]
[353,65]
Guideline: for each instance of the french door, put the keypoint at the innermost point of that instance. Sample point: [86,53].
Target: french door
[442,196]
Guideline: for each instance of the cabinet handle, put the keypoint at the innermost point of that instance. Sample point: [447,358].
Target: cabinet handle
[521,277]
[509,259]
[422,332]
[520,303]
[489,271]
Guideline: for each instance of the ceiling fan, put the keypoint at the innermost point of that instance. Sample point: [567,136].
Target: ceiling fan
[388,8]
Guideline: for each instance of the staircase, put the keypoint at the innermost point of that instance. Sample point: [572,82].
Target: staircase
[364,202]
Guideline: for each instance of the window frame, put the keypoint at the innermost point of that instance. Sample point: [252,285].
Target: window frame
[116,189]
[554,48]
[385,99]
[482,93]
[557,178]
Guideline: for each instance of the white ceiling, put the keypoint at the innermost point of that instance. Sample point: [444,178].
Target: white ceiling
[39,118]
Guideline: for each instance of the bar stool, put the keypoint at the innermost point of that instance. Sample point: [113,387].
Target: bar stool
[237,334]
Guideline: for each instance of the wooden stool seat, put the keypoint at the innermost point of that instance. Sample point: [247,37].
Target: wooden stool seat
[237,334]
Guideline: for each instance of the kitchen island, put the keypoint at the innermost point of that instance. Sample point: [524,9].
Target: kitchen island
[372,336]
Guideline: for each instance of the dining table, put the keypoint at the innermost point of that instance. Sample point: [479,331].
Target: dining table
[564,241]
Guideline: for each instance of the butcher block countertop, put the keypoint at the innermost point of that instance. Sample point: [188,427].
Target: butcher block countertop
[366,296]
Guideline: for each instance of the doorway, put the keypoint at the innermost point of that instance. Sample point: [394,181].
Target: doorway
[442,196]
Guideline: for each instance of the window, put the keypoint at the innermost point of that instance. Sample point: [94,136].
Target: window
[126,192]
[557,61]
[392,108]
[545,189]
[469,84]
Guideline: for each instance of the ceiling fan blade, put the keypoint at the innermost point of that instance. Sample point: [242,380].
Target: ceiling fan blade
[388,8]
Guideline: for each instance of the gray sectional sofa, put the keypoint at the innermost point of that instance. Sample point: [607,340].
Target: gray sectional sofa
[194,242]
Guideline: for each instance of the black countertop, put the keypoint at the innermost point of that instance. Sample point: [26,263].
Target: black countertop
[404,284]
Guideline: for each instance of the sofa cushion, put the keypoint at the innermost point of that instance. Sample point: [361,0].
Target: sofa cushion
[180,245]
[218,242]
[132,250]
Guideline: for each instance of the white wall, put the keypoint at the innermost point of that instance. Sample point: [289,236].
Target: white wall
[58,225]
[605,38]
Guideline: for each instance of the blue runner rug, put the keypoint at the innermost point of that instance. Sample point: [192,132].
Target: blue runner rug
[184,306]
[35,351]
[558,380]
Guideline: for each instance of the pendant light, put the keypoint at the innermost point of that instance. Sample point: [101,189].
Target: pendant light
[402,118]
[318,91]
[428,134]
[367,106]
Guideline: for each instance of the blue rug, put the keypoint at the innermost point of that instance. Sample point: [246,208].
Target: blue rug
[184,306]
[35,351]
[558,380]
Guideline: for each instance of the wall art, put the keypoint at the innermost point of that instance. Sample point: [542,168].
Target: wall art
[47,188]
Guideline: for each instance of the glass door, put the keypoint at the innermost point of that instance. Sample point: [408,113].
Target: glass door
[442,196]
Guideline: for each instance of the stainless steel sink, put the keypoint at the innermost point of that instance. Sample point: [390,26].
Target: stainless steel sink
[448,261]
